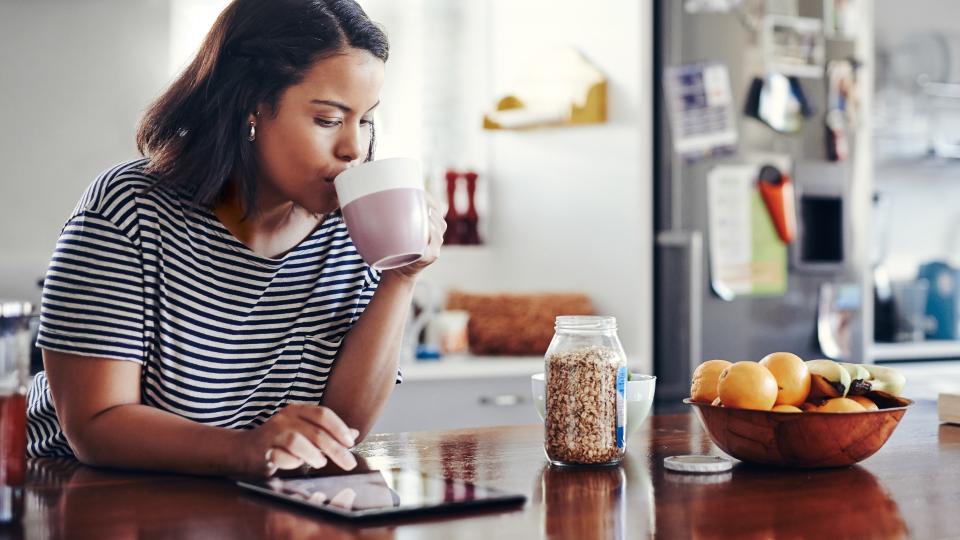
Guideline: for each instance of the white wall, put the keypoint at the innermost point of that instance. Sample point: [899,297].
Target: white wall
[570,208]
[74,78]
[925,214]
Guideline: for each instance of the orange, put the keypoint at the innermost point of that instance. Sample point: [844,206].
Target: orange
[717,402]
[703,388]
[747,385]
[792,375]
[867,403]
[839,405]
[785,408]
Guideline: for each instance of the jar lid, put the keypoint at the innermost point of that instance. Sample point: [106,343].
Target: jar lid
[698,464]
[585,323]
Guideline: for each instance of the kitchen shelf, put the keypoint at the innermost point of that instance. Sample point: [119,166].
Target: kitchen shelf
[477,367]
[918,350]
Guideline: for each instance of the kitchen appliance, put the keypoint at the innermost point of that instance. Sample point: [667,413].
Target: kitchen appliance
[692,323]
[943,299]
[910,302]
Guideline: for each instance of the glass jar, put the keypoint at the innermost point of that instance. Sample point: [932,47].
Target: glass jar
[585,376]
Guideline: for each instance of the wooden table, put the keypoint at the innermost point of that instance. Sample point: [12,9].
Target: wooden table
[910,488]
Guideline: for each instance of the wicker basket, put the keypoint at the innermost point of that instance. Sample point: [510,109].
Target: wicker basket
[515,324]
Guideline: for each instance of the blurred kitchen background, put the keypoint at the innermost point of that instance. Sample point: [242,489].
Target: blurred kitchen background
[727,178]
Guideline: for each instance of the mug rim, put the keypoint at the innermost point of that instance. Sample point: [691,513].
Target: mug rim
[377,176]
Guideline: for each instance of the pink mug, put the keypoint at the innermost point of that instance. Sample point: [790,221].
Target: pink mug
[385,209]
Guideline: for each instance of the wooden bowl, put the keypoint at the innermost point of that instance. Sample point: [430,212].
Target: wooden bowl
[808,439]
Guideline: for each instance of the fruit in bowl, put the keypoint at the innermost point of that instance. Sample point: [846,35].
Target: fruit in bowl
[783,411]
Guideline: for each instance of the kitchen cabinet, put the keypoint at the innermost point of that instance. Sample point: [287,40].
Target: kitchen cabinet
[462,392]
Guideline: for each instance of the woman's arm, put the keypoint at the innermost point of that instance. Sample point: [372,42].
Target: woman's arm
[98,405]
[366,369]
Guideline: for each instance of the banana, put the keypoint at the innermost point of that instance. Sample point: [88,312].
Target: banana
[884,379]
[858,378]
[828,379]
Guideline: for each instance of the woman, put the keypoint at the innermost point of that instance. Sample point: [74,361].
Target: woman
[205,310]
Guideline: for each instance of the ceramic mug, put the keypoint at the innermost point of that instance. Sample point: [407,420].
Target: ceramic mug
[384,207]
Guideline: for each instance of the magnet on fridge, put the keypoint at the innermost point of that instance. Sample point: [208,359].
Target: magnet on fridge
[776,190]
[779,101]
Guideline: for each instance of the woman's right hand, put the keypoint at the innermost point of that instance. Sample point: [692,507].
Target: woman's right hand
[297,435]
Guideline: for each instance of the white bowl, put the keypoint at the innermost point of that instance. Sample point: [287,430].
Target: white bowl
[639,393]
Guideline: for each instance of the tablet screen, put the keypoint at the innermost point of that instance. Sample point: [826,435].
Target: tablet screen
[380,492]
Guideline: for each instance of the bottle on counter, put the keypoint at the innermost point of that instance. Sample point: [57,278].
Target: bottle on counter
[15,347]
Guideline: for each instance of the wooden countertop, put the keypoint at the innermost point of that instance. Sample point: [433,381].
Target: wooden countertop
[910,488]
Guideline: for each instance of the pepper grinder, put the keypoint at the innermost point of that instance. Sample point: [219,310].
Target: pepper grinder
[452,235]
[471,235]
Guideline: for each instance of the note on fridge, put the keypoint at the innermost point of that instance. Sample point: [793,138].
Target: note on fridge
[700,102]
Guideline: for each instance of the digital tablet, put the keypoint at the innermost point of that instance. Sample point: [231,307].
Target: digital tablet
[380,493]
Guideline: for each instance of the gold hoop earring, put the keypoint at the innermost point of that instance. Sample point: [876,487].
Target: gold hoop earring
[253,132]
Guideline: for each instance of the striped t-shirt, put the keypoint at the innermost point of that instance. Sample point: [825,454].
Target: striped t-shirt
[224,336]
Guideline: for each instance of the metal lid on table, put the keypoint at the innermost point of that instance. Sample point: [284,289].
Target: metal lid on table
[698,464]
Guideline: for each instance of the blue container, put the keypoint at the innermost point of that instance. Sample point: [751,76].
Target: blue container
[943,300]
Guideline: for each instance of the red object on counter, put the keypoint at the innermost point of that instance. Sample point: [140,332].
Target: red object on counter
[453,219]
[13,440]
[471,234]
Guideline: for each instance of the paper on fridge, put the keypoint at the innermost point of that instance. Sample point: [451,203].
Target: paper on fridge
[746,255]
[700,102]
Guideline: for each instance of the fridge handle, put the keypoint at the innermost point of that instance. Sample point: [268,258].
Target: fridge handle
[680,309]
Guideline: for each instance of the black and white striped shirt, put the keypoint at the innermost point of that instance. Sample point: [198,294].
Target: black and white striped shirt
[224,336]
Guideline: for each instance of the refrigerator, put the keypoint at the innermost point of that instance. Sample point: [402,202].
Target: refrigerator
[694,321]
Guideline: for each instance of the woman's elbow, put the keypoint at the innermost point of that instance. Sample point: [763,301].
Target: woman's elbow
[85,453]
[87,449]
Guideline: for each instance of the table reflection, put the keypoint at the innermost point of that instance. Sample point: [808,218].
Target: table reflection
[948,436]
[581,502]
[69,500]
[713,504]
[290,526]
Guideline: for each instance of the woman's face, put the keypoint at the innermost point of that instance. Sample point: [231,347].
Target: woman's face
[318,128]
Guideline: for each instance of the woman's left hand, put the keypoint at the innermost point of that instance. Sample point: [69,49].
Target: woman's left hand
[438,227]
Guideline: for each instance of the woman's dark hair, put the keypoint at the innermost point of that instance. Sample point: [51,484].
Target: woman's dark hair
[195,134]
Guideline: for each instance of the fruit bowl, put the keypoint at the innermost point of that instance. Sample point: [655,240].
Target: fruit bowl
[805,440]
